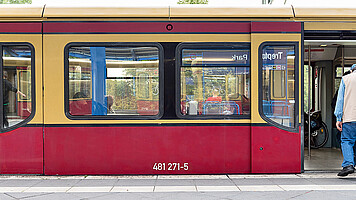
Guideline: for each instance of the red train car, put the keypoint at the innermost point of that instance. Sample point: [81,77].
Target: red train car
[147,91]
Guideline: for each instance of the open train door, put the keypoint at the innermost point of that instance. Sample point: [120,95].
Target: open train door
[21,139]
[276,113]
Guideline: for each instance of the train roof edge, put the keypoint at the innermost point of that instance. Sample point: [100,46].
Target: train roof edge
[21,11]
[176,11]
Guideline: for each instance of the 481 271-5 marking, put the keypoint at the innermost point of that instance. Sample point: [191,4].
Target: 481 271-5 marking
[170,166]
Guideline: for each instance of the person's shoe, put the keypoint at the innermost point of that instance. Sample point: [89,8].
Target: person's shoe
[346,170]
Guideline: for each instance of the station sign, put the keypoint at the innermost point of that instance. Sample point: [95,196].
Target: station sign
[215,57]
[274,59]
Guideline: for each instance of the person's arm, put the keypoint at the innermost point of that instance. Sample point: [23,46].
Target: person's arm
[13,89]
[339,108]
[10,86]
[22,94]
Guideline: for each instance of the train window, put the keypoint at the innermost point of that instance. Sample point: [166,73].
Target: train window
[339,73]
[278,84]
[17,84]
[113,81]
[214,80]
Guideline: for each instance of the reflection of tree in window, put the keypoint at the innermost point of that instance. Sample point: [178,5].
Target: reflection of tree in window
[143,89]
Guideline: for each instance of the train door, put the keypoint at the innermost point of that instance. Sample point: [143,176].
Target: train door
[21,139]
[329,52]
[325,63]
[276,130]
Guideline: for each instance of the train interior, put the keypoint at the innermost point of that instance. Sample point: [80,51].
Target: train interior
[17,65]
[328,61]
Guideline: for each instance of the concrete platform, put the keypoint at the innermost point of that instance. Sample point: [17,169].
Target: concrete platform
[262,186]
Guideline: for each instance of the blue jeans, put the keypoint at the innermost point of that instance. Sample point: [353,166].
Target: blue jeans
[348,138]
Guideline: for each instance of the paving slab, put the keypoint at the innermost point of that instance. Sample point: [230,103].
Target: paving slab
[135,182]
[12,189]
[260,176]
[218,189]
[57,182]
[218,182]
[264,188]
[132,189]
[19,182]
[6,197]
[333,181]
[47,189]
[186,177]
[188,188]
[21,195]
[174,182]
[90,189]
[95,182]
[291,181]
[248,181]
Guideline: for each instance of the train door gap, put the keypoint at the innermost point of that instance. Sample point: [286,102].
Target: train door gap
[327,61]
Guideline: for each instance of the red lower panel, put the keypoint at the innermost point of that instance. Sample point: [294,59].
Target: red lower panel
[275,151]
[147,150]
[21,151]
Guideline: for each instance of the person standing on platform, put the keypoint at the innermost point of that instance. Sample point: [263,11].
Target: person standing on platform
[345,112]
[333,105]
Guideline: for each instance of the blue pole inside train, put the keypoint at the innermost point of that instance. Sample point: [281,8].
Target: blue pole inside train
[98,72]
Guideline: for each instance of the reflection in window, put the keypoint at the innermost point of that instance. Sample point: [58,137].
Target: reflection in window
[113,81]
[17,87]
[215,82]
[278,83]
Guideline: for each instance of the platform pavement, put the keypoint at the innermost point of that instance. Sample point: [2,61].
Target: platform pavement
[310,185]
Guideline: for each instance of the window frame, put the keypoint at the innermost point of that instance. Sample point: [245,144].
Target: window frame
[179,65]
[33,86]
[296,85]
[114,44]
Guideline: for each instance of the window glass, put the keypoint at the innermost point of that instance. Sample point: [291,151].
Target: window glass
[278,83]
[214,57]
[290,83]
[215,82]
[278,79]
[339,72]
[113,81]
[17,98]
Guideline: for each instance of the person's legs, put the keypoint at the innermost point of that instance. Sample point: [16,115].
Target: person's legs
[354,155]
[338,138]
[348,137]
[5,121]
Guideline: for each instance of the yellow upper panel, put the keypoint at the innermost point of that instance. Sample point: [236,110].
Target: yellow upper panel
[243,12]
[179,11]
[105,11]
[325,12]
[23,11]
[168,11]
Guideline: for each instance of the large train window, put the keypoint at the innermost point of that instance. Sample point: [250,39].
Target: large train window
[113,81]
[213,80]
[17,75]
[277,86]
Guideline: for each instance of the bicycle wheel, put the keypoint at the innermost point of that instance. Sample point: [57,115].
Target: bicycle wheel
[319,137]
